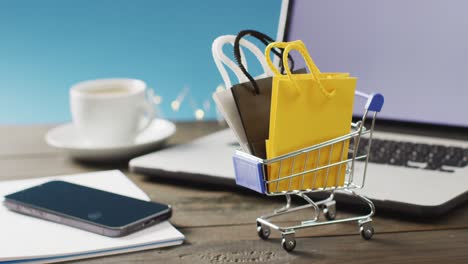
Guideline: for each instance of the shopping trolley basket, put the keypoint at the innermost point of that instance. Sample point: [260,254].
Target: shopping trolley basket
[251,172]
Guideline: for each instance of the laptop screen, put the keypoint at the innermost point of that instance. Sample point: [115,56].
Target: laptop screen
[413,52]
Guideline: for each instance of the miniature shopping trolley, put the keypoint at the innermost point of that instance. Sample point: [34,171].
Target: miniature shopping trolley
[251,172]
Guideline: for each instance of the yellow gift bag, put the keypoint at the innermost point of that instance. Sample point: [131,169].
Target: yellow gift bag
[307,109]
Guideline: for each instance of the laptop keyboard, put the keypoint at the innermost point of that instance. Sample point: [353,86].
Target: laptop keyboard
[415,155]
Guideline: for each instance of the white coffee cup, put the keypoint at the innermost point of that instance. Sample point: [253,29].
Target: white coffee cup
[110,112]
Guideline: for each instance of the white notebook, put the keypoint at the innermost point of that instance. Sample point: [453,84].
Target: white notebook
[29,239]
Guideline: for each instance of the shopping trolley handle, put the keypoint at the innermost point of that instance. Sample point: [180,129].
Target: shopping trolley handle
[375,101]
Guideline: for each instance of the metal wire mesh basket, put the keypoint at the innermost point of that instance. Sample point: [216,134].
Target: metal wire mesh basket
[313,169]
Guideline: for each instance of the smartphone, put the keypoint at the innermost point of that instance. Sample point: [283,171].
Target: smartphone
[97,211]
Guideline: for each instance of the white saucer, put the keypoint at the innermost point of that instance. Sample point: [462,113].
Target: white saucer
[66,138]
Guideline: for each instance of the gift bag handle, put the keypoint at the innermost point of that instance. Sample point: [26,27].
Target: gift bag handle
[221,60]
[299,46]
[314,70]
[265,39]
[282,45]
[270,48]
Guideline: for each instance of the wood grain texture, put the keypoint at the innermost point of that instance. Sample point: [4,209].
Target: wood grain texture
[406,247]
[219,221]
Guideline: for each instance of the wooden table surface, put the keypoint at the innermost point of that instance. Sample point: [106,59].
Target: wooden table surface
[219,222]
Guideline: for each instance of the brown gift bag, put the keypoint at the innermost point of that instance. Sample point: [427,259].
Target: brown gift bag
[253,99]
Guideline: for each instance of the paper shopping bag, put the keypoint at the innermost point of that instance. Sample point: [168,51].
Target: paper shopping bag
[254,111]
[228,109]
[253,98]
[307,109]
[223,98]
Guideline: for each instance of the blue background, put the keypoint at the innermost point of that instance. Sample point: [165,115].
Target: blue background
[46,46]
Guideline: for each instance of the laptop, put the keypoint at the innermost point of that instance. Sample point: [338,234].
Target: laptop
[419,155]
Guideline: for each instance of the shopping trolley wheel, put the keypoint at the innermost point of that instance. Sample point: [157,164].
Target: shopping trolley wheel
[366,230]
[288,242]
[329,210]
[263,231]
